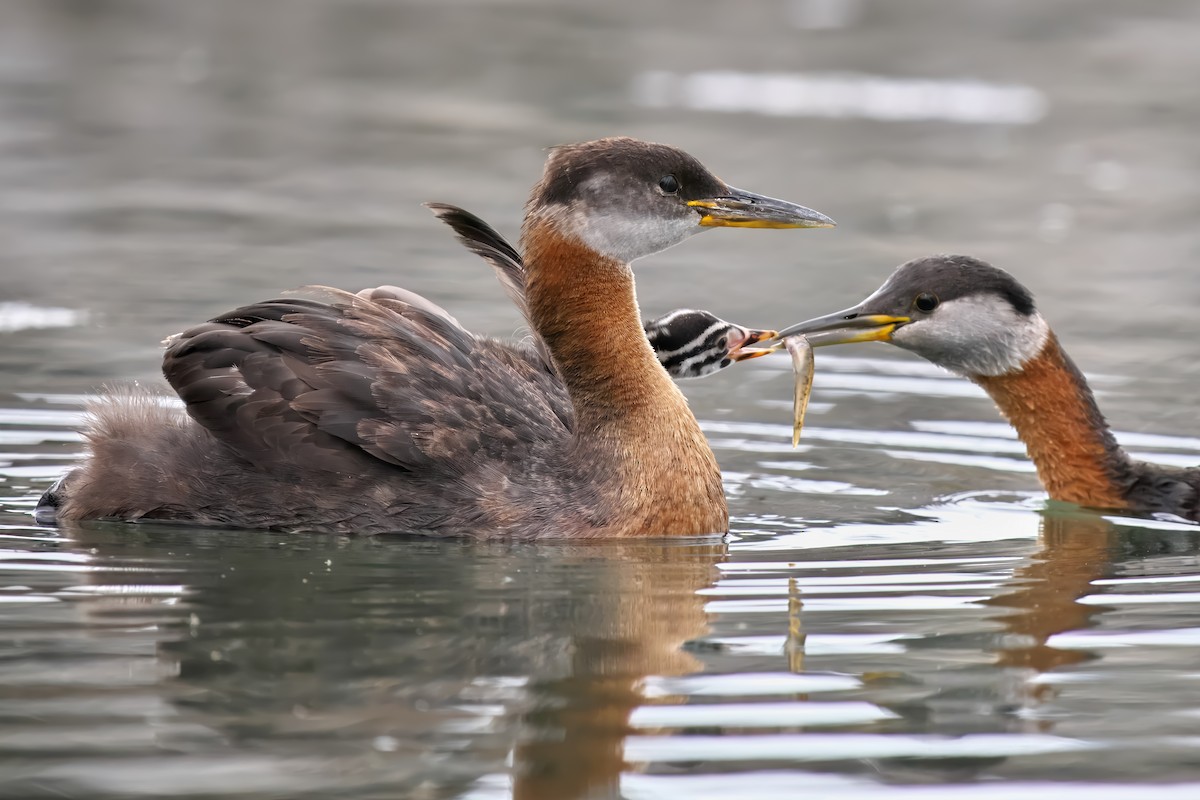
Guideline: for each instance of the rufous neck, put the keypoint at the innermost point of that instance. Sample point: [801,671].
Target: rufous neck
[583,305]
[1055,414]
[635,438]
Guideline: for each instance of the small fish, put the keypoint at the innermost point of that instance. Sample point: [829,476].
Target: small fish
[802,369]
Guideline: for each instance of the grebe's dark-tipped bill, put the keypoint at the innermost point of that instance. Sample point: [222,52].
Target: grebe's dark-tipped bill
[741,351]
[741,209]
[845,327]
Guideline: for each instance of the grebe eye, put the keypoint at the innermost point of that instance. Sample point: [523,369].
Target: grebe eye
[721,343]
[669,184]
[926,302]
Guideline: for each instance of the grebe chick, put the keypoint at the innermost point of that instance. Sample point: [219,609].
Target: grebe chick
[979,322]
[688,343]
[364,415]
[693,344]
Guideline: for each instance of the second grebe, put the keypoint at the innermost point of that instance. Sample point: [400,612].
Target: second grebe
[979,322]
[362,415]
[687,342]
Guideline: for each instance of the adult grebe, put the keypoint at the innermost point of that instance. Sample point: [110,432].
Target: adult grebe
[362,415]
[979,322]
[688,343]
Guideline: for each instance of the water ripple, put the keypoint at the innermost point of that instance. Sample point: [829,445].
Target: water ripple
[17,316]
[844,746]
[838,95]
[748,684]
[759,715]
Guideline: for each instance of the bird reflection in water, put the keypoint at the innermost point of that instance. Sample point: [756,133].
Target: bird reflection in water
[1076,549]
[374,660]
[573,739]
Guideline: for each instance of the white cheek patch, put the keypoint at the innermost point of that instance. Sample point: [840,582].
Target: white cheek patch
[618,230]
[976,336]
[630,236]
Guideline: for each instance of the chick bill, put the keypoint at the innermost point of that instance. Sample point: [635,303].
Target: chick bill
[803,364]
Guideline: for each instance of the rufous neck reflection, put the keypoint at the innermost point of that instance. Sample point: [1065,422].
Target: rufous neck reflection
[634,626]
[1076,549]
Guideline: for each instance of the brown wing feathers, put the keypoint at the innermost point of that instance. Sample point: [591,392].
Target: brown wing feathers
[238,376]
[483,240]
[327,385]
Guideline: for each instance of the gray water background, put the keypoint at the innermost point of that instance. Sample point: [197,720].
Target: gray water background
[899,612]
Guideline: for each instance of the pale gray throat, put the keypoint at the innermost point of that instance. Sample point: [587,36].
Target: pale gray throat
[982,336]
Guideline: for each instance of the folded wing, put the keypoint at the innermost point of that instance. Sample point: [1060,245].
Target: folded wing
[357,383]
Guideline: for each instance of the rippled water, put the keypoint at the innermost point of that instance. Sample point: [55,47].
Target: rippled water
[899,612]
